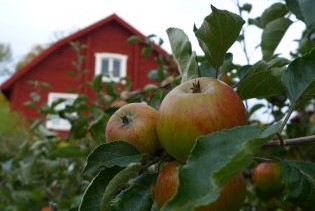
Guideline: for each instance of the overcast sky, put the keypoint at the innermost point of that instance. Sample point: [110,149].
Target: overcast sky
[25,23]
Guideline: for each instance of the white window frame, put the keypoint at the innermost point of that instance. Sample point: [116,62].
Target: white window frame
[111,56]
[62,124]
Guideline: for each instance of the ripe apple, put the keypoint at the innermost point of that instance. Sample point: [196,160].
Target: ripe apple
[136,124]
[231,197]
[197,107]
[166,184]
[46,208]
[266,176]
[118,103]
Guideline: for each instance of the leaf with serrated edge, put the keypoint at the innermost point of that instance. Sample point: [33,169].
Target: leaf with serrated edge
[214,160]
[138,195]
[294,7]
[299,77]
[217,34]
[307,8]
[91,199]
[299,177]
[272,35]
[260,81]
[275,11]
[119,181]
[117,153]
[303,10]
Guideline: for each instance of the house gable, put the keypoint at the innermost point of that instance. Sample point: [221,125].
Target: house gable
[114,21]
[53,65]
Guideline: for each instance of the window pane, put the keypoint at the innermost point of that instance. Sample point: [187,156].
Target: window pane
[55,119]
[116,68]
[105,67]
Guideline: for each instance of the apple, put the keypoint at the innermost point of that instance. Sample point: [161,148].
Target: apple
[118,103]
[231,198]
[134,123]
[197,107]
[46,208]
[166,184]
[266,176]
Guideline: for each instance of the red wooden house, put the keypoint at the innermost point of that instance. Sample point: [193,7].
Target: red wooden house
[107,52]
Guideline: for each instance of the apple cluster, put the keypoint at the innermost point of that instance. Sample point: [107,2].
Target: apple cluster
[196,107]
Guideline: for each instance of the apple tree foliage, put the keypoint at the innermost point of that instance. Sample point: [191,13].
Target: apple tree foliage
[287,85]
[116,176]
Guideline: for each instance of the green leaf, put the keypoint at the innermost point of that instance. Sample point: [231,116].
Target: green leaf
[134,39]
[255,108]
[272,35]
[294,7]
[227,63]
[207,70]
[117,183]
[158,74]
[79,127]
[261,80]
[299,178]
[117,153]
[97,83]
[303,10]
[276,10]
[182,52]
[91,200]
[147,51]
[215,159]
[255,21]
[242,72]
[138,195]
[299,78]
[217,34]
[97,128]
[247,7]
[110,89]
[70,151]
[157,97]
[307,42]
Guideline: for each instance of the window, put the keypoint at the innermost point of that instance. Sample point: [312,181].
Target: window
[54,121]
[111,65]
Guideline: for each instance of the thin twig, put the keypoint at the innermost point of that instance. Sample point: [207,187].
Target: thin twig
[292,141]
[243,42]
[260,159]
[291,109]
[282,142]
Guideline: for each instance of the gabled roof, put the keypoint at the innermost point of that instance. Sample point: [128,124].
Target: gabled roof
[5,87]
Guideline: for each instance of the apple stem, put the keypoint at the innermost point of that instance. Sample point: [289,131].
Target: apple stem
[196,87]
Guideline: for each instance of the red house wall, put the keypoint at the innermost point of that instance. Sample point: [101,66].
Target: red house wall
[54,69]
[112,38]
